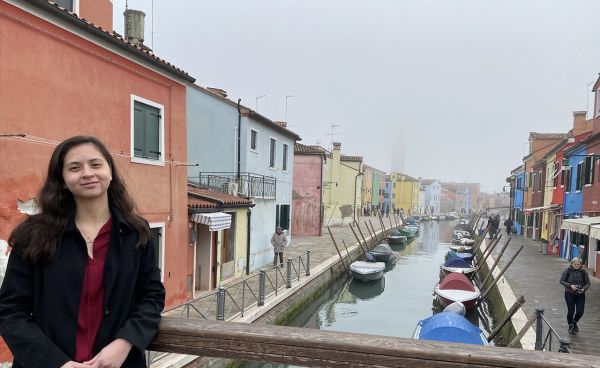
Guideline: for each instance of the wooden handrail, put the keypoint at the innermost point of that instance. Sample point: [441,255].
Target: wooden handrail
[318,348]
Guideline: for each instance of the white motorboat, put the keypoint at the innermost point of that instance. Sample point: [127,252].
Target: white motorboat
[367,271]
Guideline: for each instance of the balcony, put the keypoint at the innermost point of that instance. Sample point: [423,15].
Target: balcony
[246,185]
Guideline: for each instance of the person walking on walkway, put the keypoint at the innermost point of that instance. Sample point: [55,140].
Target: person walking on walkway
[508,223]
[278,241]
[576,282]
[82,287]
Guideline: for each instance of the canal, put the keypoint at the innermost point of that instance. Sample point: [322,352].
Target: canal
[393,305]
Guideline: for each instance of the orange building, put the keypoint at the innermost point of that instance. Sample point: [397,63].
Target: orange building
[60,76]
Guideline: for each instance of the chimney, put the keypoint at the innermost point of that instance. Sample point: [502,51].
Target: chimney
[579,122]
[282,124]
[337,146]
[134,26]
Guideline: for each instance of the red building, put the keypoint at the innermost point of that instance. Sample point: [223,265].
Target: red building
[60,76]
[307,191]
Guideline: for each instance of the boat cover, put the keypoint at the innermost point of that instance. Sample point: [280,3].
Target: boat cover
[466,241]
[450,327]
[365,268]
[456,281]
[382,249]
[456,262]
[467,257]
[456,307]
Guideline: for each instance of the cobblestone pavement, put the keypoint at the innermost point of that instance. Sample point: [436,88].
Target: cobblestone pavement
[536,276]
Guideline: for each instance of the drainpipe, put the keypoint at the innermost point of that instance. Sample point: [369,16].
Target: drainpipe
[239,140]
[321,200]
[248,243]
[354,209]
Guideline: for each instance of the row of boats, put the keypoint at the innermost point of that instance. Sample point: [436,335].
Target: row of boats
[457,293]
[375,262]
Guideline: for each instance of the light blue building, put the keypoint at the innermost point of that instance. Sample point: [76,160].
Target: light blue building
[240,152]
[517,215]
[387,195]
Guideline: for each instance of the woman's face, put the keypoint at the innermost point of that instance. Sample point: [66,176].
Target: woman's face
[86,173]
[576,265]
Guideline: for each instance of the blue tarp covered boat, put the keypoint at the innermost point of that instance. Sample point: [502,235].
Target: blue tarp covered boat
[449,327]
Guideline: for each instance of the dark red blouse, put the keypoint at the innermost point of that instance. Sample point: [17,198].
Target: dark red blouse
[92,296]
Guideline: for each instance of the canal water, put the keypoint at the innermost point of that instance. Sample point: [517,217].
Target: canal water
[393,305]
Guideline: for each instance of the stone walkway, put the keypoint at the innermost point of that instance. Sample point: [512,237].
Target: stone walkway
[536,276]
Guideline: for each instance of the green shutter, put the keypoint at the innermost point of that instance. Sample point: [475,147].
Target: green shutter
[284,220]
[139,149]
[153,134]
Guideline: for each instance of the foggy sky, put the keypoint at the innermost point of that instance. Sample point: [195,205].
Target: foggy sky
[439,89]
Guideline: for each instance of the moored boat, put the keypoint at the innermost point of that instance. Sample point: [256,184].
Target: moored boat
[382,253]
[367,271]
[467,257]
[456,265]
[449,327]
[461,248]
[456,287]
[396,239]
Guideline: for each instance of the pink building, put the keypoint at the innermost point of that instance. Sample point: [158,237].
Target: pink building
[307,190]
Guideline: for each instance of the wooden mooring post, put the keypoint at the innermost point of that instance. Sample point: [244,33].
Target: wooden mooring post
[321,348]
[338,251]
[487,291]
[495,263]
[357,238]
[375,232]
[373,238]
[361,234]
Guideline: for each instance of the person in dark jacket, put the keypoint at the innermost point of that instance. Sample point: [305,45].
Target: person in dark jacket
[508,223]
[82,288]
[576,282]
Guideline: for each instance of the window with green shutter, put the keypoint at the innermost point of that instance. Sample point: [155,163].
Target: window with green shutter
[146,131]
[156,237]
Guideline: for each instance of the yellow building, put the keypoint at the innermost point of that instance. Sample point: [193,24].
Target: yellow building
[367,186]
[405,192]
[342,187]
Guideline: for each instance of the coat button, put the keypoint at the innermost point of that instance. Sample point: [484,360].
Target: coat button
[106,312]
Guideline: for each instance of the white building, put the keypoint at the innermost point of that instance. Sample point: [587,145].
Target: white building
[433,195]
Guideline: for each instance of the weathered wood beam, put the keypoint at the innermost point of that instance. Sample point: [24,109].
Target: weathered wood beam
[318,348]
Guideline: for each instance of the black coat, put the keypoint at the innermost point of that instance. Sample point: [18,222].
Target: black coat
[39,304]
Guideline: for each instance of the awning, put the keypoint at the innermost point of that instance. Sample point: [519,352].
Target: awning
[529,210]
[580,225]
[215,220]
[595,231]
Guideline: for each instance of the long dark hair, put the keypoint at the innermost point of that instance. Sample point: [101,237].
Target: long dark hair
[38,236]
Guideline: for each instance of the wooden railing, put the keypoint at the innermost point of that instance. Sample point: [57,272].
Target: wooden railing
[318,348]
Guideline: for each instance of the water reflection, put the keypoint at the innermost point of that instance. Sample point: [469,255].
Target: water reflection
[366,290]
[393,305]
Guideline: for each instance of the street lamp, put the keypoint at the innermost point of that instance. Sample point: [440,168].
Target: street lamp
[286,101]
[256,101]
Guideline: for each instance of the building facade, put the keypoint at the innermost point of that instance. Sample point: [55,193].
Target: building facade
[307,190]
[248,155]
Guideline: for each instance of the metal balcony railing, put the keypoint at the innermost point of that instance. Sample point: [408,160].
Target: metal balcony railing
[244,185]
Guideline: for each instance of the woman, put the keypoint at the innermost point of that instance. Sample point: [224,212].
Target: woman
[576,282]
[82,288]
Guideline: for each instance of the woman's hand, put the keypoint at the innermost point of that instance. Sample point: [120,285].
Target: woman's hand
[112,356]
[574,287]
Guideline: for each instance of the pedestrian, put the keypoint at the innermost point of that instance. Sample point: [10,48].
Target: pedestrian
[278,241]
[82,287]
[490,225]
[576,282]
[508,223]
[387,212]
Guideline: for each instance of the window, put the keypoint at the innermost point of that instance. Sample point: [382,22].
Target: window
[597,103]
[285,157]
[147,135]
[567,179]
[272,153]
[282,216]
[158,242]
[589,166]
[254,140]
[532,182]
[393,195]
[555,175]
[579,177]
[540,182]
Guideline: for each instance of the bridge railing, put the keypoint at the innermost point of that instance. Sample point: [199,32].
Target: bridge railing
[319,348]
